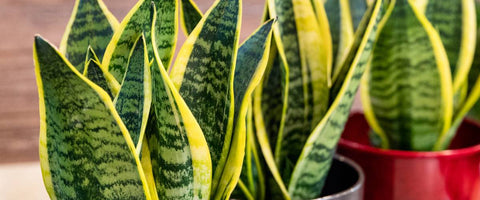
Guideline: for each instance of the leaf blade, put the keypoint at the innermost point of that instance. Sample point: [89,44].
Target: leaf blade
[312,166]
[135,96]
[76,154]
[91,24]
[208,54]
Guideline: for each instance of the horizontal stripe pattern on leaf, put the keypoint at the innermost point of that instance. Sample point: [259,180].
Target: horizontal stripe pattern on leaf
[203,74]
[91,24]
[314,163]
[135,96]
[406,84]
[169,147]
[86,150]
[94,73]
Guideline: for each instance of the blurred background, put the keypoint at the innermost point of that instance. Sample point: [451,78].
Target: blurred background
[20,20]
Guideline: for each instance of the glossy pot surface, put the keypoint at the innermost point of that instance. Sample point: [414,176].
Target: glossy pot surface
[393,175]
[345,181]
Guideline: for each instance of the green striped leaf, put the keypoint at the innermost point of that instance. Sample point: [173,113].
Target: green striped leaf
[135,96]
[455,21]
[203,74]
[170,151]
[250,65]
[190,15]
[179,152]
[91,24]
[94,72]
[408,90]
[310,171]
[138,21]
[298,38]
[85,149]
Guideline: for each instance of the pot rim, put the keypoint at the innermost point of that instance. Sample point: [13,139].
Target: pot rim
[355,187]
[451,153]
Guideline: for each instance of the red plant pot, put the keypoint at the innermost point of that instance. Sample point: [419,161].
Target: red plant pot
[409,175]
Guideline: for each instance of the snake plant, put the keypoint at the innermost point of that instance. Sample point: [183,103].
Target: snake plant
[118,121]
[416,92]
[298,111]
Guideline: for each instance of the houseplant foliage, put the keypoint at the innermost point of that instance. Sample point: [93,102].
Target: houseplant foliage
[415,92]
[299,109]
[116,125]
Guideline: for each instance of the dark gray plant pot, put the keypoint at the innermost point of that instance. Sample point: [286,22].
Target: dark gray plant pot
[345,181]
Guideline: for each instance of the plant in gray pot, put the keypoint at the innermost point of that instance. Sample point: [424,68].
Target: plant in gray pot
[298,111]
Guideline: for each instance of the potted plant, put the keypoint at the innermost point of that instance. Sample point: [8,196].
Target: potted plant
[300,107]
[415,96]
[114,124]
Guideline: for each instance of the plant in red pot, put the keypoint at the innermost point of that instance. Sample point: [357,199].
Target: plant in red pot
[415,96]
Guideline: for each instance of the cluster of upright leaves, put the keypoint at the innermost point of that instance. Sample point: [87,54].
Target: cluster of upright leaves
[416,90]
[301,105]
[116,125]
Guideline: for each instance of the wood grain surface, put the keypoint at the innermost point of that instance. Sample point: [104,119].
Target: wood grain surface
[20,20]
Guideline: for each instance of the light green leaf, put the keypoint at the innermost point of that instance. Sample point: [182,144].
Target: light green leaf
[91,24]
[408,88]
[135,96]
[203,74]
[190,15]
[455,20]
[138,21]
[85,149]
[310,171]
[180,156]
[299,36]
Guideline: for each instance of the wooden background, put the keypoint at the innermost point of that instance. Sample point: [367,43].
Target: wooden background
[20,20]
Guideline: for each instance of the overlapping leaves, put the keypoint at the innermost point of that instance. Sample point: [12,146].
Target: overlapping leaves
[123,128]
[416,91]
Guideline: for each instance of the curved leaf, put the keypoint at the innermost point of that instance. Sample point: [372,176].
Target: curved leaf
[297,36]
[179,152]
[455,21]
[269,109]
[91,24]
[138,21]
[135,96]
[203,74]
[250,65]
[85,149]
[311,169]
[409,81]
